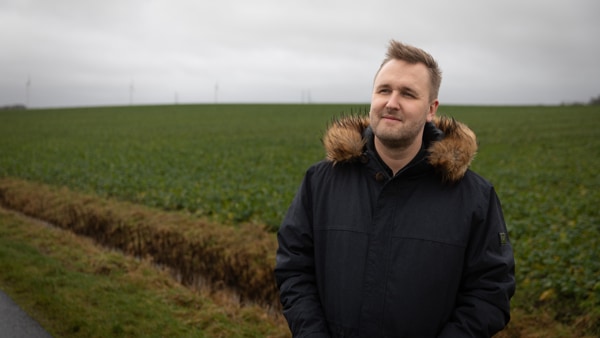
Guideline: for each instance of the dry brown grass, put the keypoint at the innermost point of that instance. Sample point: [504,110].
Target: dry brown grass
[540,325]
[77,288]
[199,253]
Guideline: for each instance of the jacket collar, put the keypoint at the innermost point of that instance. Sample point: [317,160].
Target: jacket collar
[451,145]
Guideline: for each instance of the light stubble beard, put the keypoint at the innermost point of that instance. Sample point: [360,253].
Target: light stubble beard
[402,142]
[398,139]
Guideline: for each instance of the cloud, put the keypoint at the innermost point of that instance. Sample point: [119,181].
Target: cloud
[90,53]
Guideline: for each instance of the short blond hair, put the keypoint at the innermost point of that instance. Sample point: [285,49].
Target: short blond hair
[413,55]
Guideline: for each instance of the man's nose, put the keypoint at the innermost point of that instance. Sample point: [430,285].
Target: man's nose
[393,102]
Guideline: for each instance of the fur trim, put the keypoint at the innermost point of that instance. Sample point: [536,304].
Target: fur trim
[343,140]
[451,156]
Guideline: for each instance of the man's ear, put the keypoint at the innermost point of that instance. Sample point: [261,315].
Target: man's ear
[432,110]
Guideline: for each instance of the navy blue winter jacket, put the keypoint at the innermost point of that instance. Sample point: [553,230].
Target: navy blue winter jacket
[424,253]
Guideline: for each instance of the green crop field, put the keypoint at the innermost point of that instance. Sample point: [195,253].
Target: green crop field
[233,163]
[243,163]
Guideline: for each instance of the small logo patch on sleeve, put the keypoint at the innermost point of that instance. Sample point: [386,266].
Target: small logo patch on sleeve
[503,238]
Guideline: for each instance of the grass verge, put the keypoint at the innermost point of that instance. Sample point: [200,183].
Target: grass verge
[75,288]
[198,252]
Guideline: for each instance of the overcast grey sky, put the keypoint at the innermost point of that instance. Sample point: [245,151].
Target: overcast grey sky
[86,53]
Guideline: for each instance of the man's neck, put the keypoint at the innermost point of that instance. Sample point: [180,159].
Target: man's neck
[397,158]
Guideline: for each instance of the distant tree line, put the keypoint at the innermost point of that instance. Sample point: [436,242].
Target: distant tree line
[594,101]
[13,107]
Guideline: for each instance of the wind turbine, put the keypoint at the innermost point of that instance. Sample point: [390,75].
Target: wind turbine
[217,92]
[27,88]
[131,89]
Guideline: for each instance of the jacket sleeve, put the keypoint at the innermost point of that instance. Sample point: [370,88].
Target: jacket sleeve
[295,269]
[483,301]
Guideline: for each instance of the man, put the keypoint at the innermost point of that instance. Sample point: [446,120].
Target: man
[393,235]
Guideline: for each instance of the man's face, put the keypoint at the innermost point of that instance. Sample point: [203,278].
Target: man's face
[400,104]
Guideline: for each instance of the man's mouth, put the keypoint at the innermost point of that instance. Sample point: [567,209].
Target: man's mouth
[392,118]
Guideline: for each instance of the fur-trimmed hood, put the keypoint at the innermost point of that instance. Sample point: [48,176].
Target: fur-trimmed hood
[450,155]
